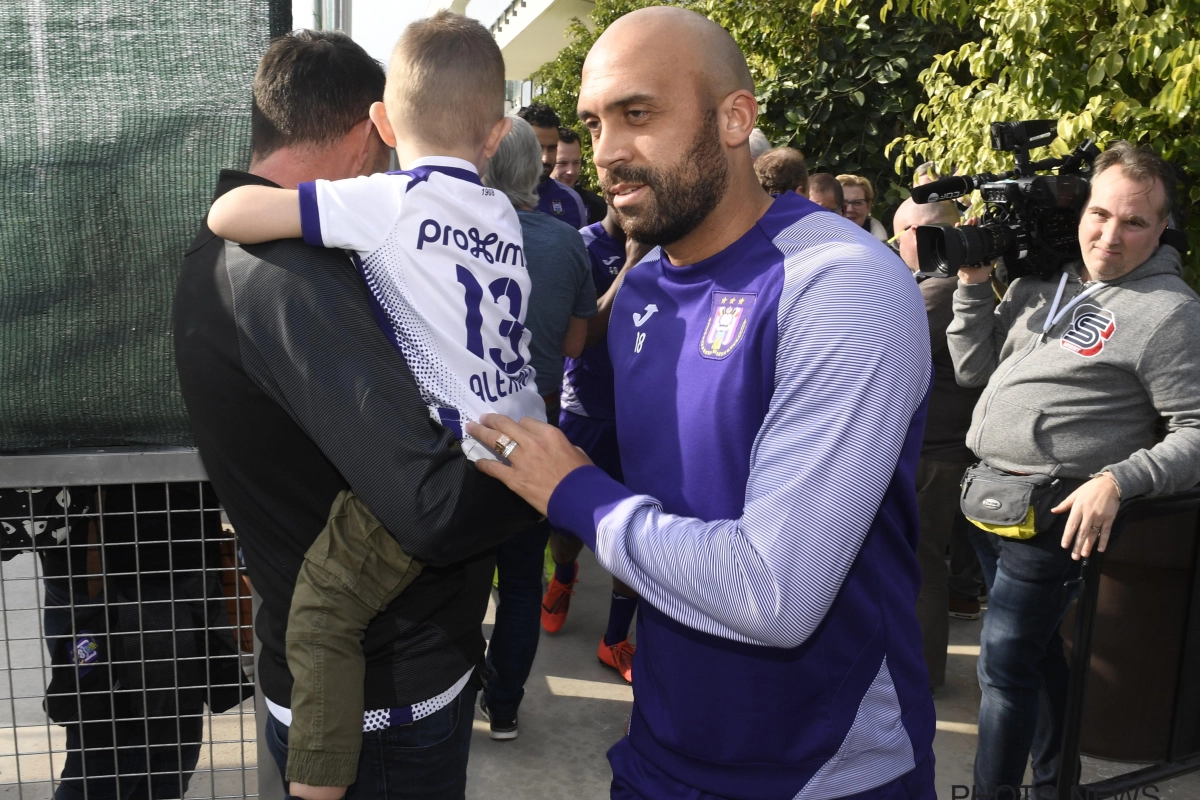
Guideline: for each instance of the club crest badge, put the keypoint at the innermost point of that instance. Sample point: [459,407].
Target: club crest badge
[87,652]
[556,206]
[1091,327]
[727,323]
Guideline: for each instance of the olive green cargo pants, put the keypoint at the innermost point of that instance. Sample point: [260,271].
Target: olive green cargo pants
[350,574]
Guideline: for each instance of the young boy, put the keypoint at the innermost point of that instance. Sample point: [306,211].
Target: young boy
[442,257]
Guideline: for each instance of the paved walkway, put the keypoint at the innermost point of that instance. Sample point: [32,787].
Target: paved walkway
[575,709]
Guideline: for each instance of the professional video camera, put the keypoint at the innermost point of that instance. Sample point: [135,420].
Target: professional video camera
[1032,221]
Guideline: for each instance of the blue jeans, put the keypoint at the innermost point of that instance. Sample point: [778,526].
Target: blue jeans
[1023,673]
[518,620]
[427,759]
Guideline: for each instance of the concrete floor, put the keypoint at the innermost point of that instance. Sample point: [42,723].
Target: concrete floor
[575,709]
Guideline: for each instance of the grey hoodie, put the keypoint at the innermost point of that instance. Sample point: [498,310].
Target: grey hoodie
[1090,394]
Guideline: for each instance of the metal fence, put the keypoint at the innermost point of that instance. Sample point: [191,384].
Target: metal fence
[126,668]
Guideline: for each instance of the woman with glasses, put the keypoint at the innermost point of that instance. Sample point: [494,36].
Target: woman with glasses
[858,195]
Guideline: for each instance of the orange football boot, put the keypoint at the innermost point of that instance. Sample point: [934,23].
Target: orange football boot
[556,603]
[618,656]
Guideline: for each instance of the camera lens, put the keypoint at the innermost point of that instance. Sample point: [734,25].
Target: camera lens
[938,248]
[946,248]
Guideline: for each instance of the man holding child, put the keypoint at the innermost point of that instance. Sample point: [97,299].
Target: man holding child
[300,396]
[771,534]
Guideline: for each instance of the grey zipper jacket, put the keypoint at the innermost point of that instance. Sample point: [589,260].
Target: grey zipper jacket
[1099,390]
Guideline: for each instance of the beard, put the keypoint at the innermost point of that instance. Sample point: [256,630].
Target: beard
[682,195]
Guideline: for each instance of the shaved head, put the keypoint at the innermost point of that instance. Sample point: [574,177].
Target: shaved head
[693,42]
[669,101]
[909,215]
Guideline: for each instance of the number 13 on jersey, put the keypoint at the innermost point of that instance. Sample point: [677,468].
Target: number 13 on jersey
[510,329]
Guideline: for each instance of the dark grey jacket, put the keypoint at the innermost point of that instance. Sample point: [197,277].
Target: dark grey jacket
[294,394]
[1114,385]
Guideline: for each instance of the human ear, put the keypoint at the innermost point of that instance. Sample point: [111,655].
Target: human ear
[497,134]
[378,115]
[737,112]
[363,134]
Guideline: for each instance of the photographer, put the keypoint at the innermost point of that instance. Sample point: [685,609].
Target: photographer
[944,458]
[1084,372]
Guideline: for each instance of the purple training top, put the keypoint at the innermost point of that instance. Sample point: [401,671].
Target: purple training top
[561,202]
[587,387]
[770,405]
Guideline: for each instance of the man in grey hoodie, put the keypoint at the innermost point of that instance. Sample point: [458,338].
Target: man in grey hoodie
[1083,374]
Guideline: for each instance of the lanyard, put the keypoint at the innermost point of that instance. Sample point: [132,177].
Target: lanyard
[1056,315]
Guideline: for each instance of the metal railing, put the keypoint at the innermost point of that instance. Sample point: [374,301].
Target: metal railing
[1182,755]
[126,665]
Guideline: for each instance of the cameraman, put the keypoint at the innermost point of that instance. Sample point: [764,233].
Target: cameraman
[944,457]
[1082,377]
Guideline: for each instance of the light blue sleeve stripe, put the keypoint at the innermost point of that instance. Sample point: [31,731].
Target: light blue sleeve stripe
[853,366]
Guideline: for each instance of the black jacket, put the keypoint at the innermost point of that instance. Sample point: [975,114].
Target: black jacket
[294,394]
[597,209]
[950,405]
[143,603]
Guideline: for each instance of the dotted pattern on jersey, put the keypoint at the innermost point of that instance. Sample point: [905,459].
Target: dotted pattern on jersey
[377,720]
[384,272]
[381,718]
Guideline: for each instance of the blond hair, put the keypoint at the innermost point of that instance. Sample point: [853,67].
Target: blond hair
[859,181]
[445,82]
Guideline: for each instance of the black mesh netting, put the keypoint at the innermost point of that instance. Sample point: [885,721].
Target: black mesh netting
[115,118]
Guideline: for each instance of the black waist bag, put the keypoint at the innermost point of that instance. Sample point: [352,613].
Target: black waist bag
[1015,506]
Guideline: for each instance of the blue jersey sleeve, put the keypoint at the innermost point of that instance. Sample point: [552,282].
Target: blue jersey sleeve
[852,370]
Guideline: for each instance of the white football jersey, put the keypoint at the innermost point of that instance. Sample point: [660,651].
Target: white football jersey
[443,258]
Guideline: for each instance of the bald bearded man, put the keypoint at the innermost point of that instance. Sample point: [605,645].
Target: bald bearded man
[771,364]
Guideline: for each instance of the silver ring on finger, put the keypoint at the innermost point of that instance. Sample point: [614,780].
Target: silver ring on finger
[1095,528]
[502,444]
[508,449]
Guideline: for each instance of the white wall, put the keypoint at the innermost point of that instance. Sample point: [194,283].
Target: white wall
[376,24]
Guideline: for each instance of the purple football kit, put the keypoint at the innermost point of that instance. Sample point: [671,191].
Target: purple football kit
[770,404]
[561,202]
[588,415]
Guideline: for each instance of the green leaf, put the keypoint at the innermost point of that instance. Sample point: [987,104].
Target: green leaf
[1096,74]
[1113,64]
[859,98]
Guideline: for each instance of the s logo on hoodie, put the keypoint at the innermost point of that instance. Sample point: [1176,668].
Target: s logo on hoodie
[1091,327]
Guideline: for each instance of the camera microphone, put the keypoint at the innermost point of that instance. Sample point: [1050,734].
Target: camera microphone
[943,189]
